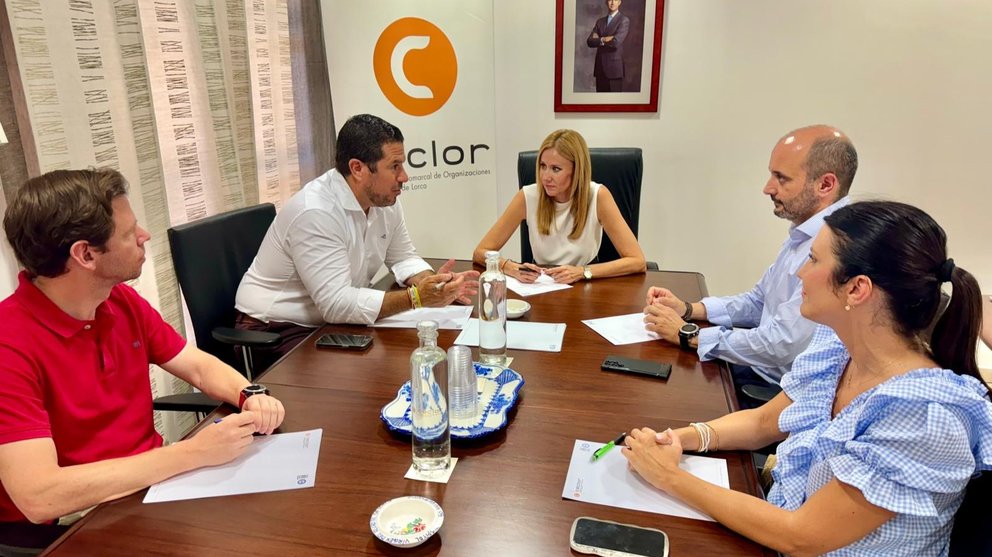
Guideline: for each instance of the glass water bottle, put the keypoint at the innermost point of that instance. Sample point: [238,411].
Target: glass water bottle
[492,312]
[429,403]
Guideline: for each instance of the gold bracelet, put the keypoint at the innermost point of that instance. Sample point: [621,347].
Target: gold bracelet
[503,264]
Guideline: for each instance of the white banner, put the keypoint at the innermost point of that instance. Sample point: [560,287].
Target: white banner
[426,67]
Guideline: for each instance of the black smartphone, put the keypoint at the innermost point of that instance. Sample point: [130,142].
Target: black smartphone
[633,365]
[613,539]
[345,341]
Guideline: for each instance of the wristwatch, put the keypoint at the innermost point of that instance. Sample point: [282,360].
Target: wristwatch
[250,391]
[687,332]
[587,273]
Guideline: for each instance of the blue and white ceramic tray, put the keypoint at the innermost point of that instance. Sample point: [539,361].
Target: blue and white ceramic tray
[498,390]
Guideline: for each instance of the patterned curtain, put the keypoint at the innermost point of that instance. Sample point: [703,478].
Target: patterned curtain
[190,99]
[8,263]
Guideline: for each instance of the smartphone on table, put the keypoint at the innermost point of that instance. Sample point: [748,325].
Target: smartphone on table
[633,365]
[344,341]
[613,539]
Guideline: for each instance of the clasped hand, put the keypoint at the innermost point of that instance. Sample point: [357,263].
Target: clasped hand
[529,272]
[663,313]
[654,456]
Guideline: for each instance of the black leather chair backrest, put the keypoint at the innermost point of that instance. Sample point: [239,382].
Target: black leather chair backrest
[618,168]
[210,256]
[971,535]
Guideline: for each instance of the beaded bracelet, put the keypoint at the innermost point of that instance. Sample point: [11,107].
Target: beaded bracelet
[688,312]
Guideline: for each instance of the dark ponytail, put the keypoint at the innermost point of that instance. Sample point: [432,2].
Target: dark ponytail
[955,336]
[904,253]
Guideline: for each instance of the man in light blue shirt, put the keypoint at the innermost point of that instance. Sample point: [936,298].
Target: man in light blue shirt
[760,332]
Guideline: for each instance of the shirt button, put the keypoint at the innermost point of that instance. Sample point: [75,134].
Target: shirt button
[87,327]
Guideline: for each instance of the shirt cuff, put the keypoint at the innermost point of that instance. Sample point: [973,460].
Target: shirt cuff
[368,304]
[408,268]
[716,311]
[706,340]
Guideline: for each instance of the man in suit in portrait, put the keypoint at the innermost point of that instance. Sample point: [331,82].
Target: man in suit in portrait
[608,36]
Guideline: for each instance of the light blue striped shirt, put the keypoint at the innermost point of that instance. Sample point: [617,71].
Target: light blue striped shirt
[762,327]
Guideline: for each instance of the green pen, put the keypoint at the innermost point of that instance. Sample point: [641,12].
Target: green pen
[606,448]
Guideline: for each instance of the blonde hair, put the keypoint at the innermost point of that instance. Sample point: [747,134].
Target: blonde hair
[572,146]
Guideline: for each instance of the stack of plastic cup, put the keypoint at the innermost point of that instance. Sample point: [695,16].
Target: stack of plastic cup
[462,385]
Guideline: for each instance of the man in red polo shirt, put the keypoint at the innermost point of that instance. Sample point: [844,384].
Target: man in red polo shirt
[76,422]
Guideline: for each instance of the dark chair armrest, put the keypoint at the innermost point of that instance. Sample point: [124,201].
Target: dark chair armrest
[759,393]
[241,337]
[186,402]
[653,266]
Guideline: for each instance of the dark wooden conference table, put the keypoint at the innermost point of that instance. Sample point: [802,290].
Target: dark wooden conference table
[504,496]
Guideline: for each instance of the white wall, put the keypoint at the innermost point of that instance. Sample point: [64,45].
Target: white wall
[910,81]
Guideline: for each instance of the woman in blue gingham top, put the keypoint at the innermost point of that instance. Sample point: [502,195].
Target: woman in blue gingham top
[882,430]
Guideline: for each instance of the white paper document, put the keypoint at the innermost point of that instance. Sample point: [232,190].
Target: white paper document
[272,463]
[609,481]
[544,283]
[622,329]
[448,317]
[520,335]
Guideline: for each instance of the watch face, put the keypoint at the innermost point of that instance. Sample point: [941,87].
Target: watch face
[255,389]
[587,274]
[689,328]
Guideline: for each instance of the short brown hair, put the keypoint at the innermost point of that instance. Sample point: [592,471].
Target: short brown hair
[51,212]
[833,154]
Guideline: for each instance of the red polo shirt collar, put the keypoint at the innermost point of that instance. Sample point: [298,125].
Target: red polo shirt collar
[53,317]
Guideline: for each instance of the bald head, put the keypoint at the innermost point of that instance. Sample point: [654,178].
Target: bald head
[810,168]
[827,151]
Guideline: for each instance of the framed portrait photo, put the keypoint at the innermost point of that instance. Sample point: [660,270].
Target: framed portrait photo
[608,55]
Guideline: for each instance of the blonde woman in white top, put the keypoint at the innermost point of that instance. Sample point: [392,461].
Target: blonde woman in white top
[566,213]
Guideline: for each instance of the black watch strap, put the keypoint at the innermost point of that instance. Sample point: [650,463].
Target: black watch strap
[684,339]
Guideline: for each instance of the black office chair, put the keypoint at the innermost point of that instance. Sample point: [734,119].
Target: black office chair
[618,168]
[970,535]
[210,256]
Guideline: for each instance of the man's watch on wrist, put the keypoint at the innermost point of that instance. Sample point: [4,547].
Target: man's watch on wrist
[688,332]
[587,273]
[250,391]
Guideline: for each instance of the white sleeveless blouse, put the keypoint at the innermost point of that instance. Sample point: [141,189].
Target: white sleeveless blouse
[556,248]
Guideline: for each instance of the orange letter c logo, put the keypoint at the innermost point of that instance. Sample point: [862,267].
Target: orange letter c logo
[415,66]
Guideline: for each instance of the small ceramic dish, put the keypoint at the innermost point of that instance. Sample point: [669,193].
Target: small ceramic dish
[406,521]
[516,308]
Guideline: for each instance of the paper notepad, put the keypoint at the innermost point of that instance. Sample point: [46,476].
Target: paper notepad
[520,335]
[448,317]
[622,329]
[272,463]
[544,283]
[609,481]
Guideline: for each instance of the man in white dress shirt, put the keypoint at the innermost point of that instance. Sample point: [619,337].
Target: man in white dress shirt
[317,261]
